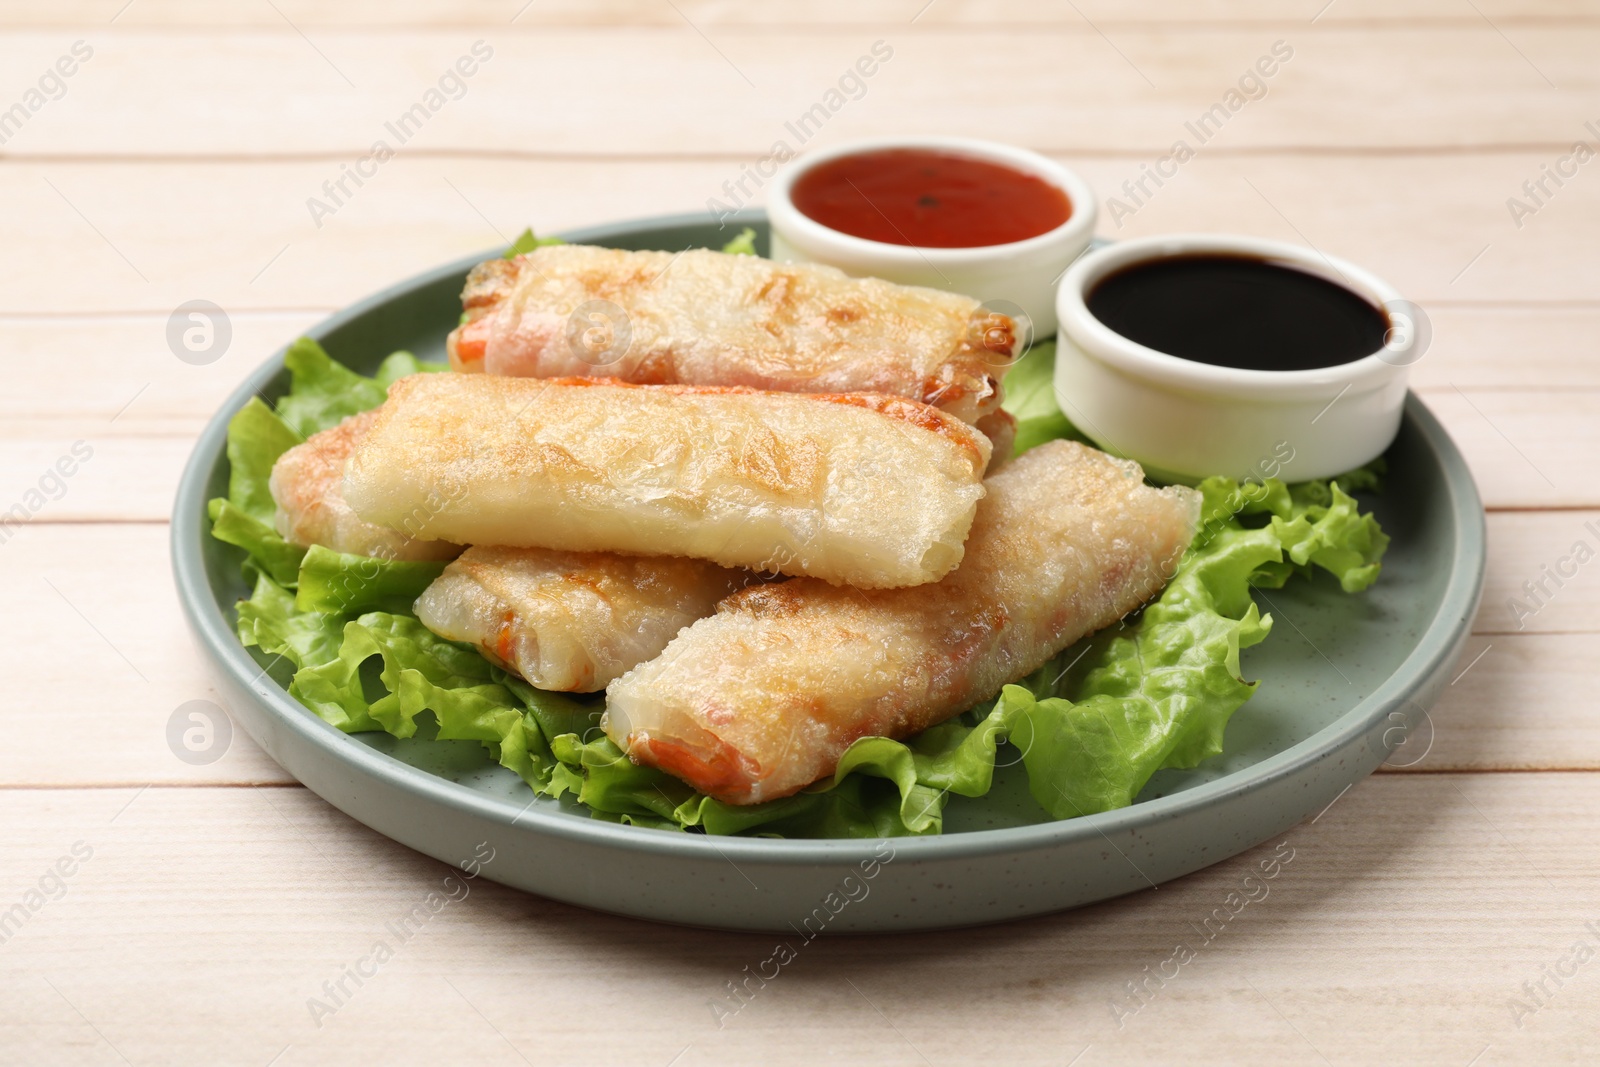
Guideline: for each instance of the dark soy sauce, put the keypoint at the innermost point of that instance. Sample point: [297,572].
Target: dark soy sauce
[1238,311]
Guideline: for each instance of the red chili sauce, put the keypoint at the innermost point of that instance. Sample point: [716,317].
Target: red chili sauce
[916,196]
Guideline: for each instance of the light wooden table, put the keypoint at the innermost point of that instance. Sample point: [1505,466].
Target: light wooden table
[215,900]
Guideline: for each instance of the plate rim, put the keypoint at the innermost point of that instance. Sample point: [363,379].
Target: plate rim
[218,639]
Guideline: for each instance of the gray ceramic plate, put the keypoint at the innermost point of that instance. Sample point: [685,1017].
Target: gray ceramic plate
[1344,684]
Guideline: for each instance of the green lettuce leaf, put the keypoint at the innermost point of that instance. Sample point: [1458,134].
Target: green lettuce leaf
[1159,697]
[270,621]
[265,550]
[526,242]
[854,805]
[332,581]
[742,245]
[423,672]
[322,393]
[1030,396]
[256,438]
[1317,524]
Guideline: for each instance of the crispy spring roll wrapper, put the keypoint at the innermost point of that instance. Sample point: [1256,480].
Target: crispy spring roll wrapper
[1000,427]
[571,621]
[306,484]
[865,490]
[707,318]
[762,698]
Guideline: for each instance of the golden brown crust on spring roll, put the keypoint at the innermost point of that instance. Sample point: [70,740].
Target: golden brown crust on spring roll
[873,491]
[1000,427]
[707,318]
[762,698]
[306,485]
[570,621]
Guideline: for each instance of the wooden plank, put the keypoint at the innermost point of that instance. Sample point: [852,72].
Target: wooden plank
[1522,701]
[1526,450]
[1445,87]
[989,15]
[111,477]
[99,603]
[1543,577]
[102,663]
[1511,347]
[240,234]
[1417,869]
[118,373]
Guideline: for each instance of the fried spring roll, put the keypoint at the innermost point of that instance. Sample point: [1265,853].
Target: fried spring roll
[858,489]
[706,318]
[570,621]
[1000,427]
[306,486]
[762,698]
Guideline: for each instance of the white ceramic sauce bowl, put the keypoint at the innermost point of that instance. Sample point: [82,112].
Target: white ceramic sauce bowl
[1021,272]
[1184,420]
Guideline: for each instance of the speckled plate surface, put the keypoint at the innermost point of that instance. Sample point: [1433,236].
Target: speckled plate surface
[1345,681]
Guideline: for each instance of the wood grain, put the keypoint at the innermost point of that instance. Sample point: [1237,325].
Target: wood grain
[1438,87]
[1417,904]
[1540,549]
[1525,449]
[148,236]
[101,609]
[1522,701]
[994,15]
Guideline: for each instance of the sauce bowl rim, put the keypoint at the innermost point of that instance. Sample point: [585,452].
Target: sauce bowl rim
[1098,341]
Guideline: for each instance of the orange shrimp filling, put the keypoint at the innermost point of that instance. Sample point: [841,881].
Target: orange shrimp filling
[725,774]
[468,344]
